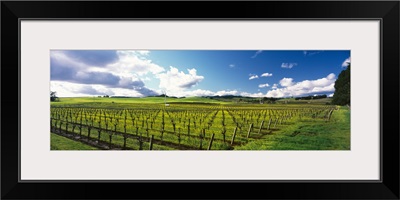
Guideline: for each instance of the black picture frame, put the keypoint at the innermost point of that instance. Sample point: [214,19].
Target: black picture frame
[386,11]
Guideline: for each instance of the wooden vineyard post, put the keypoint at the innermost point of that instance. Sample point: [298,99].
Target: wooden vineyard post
[269,123]
[59,128]
[98,136]
[224,133]
[162,135]
[248,133]
[188,128]
[201,140]
[99,131]
[151,142]
[66,126]
[262,123]
[140,140]
[89,129]
[125,136]
[55,126]
[73,127]
[80,127]
[276,121]
[110,135]
[233,136]
[179,136]
[211,141]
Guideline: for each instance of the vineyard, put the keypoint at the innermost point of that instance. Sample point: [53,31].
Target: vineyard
[181,126]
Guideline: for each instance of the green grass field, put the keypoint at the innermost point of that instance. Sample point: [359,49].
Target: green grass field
[188,123]
[309,136]
[62,143]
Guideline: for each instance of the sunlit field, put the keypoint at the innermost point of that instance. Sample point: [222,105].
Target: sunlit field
[197,123]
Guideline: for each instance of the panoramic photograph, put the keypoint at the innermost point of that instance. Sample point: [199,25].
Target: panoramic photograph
[200,100]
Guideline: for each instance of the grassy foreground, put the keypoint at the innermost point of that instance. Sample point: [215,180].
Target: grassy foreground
[62,143]
[308,135]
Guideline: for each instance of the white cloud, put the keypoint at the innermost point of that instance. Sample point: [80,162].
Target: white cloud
[256,54]
[144,52]
[246,94]
[129,62]
[231,65]
[288,65]
[95,90]
[285,82]
[278,93]
[253,76]
[66,89]
[195,93]
[346,62]
[175,80]
[224,92]
[266,74]
[331,76]
[322,85]
[263,85]
[330,95]
[274,86]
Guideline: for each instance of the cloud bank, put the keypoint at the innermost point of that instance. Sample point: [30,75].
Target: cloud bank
[100,72]
[306,87]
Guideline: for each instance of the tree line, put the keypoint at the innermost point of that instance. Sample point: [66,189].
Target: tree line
[342,88]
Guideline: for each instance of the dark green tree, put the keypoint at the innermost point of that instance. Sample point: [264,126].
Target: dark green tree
[342,88]
[53,96]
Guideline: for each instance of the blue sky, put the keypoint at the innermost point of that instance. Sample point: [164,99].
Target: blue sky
[256,73]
